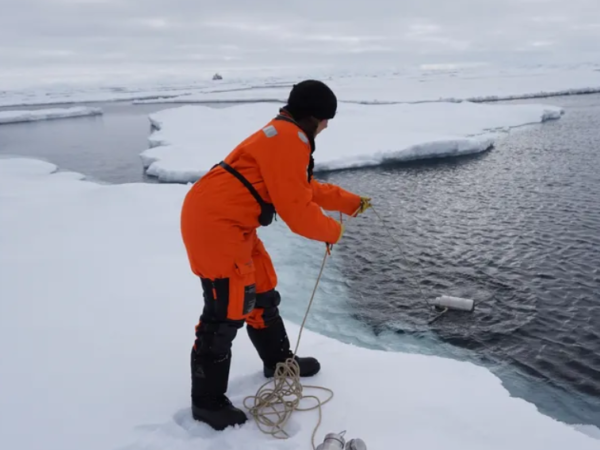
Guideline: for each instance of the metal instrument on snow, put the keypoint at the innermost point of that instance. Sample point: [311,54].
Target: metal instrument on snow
[335,441]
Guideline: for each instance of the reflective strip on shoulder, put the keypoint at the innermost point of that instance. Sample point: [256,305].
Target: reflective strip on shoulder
[303,137]
[270,131]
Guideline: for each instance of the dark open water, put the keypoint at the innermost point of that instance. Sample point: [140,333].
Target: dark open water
[104,148]
[516,228]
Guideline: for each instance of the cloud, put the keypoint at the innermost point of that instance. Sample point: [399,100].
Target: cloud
[87,35]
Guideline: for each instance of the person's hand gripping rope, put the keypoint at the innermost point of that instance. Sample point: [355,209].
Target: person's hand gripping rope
[365,203]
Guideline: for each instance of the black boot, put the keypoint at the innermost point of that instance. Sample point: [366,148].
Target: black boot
[273,346]
[211,359]
[209,384]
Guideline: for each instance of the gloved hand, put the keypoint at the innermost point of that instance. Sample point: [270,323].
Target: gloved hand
[330,245]
[365,203]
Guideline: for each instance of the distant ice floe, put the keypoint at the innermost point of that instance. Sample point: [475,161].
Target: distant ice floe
[433,86]
[7,117]
[190,139]
[368,85]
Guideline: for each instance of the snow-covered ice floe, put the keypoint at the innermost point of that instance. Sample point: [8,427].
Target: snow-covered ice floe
[96,322]
[75,93]
[192,138]
[47,114]
[370,85]
[414,86]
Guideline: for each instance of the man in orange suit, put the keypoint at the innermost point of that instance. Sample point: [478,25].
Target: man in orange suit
[267,174]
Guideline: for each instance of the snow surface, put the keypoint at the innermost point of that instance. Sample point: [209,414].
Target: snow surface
[79,92]
[96,323]
[412,87]
[192,138]
[47,114]
[375,85]
[54,96]
[589,430]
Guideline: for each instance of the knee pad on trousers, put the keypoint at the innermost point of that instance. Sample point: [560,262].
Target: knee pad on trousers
[228,298]
[214,340]
[266,311]
[268,299]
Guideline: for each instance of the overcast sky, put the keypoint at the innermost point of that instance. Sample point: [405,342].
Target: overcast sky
[48,36]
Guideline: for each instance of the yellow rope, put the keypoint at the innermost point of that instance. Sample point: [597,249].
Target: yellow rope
[287,391]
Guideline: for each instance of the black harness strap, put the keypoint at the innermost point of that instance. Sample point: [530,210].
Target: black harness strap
[267,210]
[287,119]
[311,142]
[290,120]
[244,181]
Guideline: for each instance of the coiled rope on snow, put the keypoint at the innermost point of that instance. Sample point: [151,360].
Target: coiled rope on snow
[281,400]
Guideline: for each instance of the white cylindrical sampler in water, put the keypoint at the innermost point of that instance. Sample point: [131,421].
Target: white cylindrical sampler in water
[458,303]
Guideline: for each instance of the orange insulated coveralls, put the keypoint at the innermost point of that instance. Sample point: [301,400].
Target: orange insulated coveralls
[271,169]
[220,216]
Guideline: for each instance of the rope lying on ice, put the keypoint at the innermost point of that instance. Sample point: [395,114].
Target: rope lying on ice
[272,407]
[287,390]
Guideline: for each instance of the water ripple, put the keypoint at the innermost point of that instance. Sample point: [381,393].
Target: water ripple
[517,229]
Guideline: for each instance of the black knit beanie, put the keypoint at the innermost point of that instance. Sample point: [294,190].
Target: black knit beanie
[311,98]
